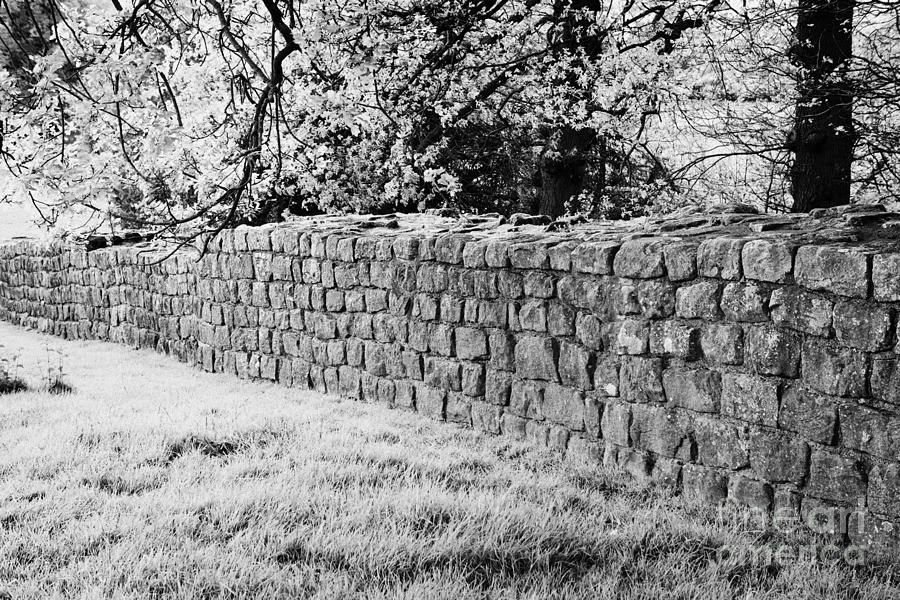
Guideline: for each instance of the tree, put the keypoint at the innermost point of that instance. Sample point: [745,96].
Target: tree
[822,139]
[196,116]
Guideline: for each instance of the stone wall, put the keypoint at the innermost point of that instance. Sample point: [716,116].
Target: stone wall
[731,354]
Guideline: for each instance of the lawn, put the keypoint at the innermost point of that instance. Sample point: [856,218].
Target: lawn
[153,480]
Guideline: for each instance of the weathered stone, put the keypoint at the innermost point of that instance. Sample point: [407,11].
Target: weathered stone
[773,351]
[459,409]
[747,492]
[588,331]
[869,430]
[698,390]
[616,423]
[885,381]
[656,298]
[497,387]
[681,260]
[665,432]
[719,445]
[471,343]
[531,255]
[812,415]
[473,379]
[704,484]
[533,315]
[862,325]
[800,310]
[698,301]
[837,478]
[745,302]
[884,489]
[594,257]
[629,336]
[641,380]
[430,401]
[768,260]
[535,358]
[486,417]
[836,269]
[526,399]
[575,366]
[675,338]
[834,370]
[606,376]
[640,259]
[750,398]
[442,373]
[720,258]
[564,405]
[885,282]
[723,344]
[778,457]
[561,320]
[502,348]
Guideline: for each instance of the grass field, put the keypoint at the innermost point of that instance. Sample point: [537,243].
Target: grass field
[153,480]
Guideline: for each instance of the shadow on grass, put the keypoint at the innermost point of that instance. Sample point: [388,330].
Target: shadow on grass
[564,560]
[12,385]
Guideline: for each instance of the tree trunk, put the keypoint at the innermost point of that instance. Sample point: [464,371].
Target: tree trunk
[563,168]
[822,138]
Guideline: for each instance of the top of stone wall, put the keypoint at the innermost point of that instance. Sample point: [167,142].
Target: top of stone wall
[851,251]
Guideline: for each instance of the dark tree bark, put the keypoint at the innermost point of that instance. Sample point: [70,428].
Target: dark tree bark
[822,138]
[563,168]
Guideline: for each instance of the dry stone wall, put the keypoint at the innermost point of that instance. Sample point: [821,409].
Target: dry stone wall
[733,355]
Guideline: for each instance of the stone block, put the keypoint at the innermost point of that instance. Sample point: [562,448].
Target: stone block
[430,401]
[836,478]
[703,484]
[473,379]
[698,300]
[497,387]
[526,399]
[778,457]
[629,336]
[681,260]
[675,338]
[752,494]
[884,489]
[869,430]
[699,390]
[810,414]
[885,282]
[720,258]
[768,260]
[773,351]
[616,423]
[442,373]
[862,325]
[533,315]
[719,444]
[885,379]
[665,432]
[722,344]
[486,417]
[529,255]
[588,331]
[535,358]
[656,298]
[804,311]
[641,380]
[459,409]
[750,398]
[575,366]
[471,343]
[837,269]
[640,259]
[746,302]
[834,370]
[564,405]
[594,257]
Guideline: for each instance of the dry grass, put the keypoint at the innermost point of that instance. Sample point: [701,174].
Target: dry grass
[153,480]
